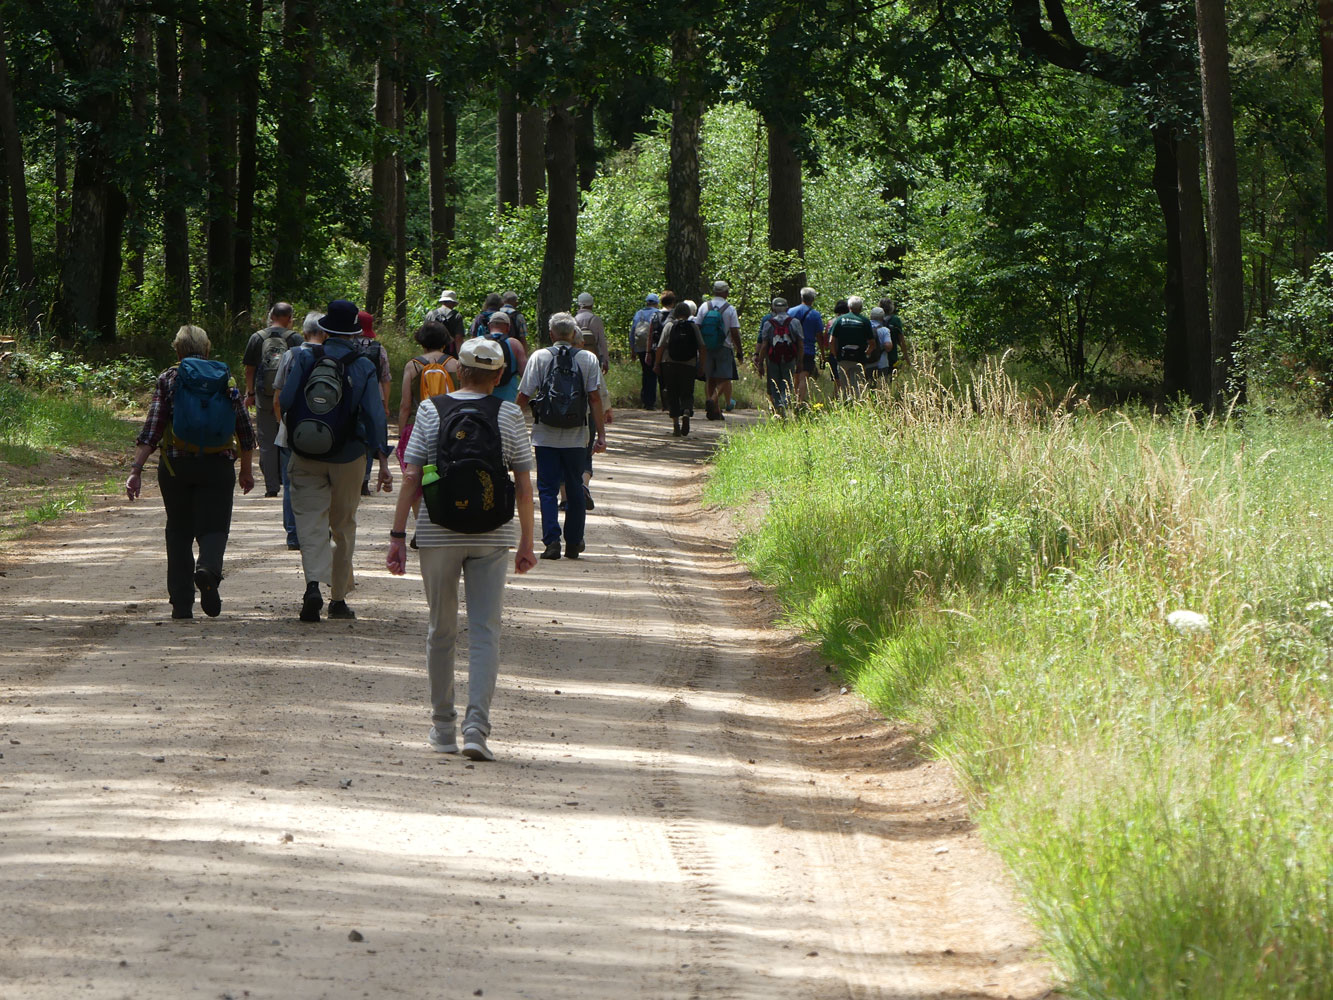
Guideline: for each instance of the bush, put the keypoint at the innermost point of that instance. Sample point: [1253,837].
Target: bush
[1288,356]
[120,381]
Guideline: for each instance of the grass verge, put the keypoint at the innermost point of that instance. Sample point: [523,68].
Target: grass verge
[1000,572]
[35,424]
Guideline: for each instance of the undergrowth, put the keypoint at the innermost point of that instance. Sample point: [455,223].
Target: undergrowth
[34,424]
[999,570]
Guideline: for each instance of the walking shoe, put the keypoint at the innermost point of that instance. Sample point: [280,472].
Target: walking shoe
[311,603]
[587,499]
[474,746]
[563,507]
[711,410]
[293,546]
[551,551]
[675,428]
[210,601]
[731,405]
[365,490]
[270,494]
[573,551]
[441,742]
[339,609]
[685,425]
[182,613]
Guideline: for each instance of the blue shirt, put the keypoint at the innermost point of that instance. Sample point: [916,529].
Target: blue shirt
[644,315]
[371,425]
[812,324]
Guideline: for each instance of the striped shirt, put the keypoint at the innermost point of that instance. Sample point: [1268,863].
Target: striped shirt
[517,450]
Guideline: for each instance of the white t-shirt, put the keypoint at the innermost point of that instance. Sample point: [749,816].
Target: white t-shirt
[538,364]
[730,319]
[884,334]
[420,451]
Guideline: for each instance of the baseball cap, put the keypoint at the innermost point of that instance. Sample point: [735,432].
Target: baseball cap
[585,299]
[482,352]
[652,299]
[499,316]
[721,288]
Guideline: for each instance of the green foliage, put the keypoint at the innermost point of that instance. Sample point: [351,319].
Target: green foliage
[34,424]
[1000,573]
[118,381]
[1288,356]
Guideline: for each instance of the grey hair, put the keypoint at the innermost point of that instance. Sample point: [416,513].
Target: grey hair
[310,326]
[563,327]
[877,313]
[855,303]
[280,310]
[808,294]
[191,341]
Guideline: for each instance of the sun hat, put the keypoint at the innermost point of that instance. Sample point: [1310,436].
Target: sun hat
[721,288]
[449,295]
[341,319]
[482,352]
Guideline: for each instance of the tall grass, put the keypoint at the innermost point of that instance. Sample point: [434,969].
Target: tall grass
[999,569]
[35,424]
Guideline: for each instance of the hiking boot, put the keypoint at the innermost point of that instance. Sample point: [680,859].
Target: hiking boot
[711,410]
[474,746]
[442,742]
[366,490]
[587,499]
[210,601]
[182,614]
[339,609]
[311,602]
[675,428]
[574,550]
[293,546]
[551,551]
[270,494]
[685,425]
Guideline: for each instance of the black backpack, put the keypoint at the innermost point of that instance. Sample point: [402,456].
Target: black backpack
[472,491]
[273,347]
[682,342]
[562,398]
[323,417]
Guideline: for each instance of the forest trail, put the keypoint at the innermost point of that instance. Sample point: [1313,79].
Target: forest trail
[684,804]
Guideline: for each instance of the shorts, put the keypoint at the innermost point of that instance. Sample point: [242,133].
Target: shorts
[721,363]
[809,365]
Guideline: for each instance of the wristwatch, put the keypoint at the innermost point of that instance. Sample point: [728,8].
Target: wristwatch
[397,534]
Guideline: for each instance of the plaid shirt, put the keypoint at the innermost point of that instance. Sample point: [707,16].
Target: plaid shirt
[159,419]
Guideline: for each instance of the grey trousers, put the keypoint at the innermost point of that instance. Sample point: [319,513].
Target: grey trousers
[266,429]
[483,568]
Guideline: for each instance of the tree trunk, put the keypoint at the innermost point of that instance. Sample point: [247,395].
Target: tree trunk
[294,73]
[4,214]
[16,182]
[562,213]
[1326,60]
[687,241]
[450,173]
[61,179]
[531,155]
[786,212]
[247,167]
[90,269]
[1194,270]
[506,150]
[439,197]
[1228,277]
[381,191]
[136,220]
[399,203]
[585,145]
[223,68]
[174,173]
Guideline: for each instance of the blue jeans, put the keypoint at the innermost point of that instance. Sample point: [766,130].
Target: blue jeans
[648,393]
[557,466]
[288,518]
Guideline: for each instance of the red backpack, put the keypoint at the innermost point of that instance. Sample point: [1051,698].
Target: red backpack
[782,343]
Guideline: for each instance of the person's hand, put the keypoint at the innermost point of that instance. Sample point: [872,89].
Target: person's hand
[657,369]
[396,561]
[385,483]
[134,484]
[524,558]
[599,445]
[249,400]
[247,480]
[610,415]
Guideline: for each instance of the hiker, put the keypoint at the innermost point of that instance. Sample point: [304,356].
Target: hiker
[721,329]
[778,354]
[641,346]
[593,330]
[310,334]
[894,322]
[839,385]
[447,315]
[432,373]
[852,340]
[812,329]
[263,353]
[681,355]
[198,419]
[334,413]
[518,326]
[516,358]
[368,344]
[561,383]
[487,436]
[887,341]
[482,321]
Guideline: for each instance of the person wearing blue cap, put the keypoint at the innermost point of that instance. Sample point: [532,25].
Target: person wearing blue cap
[642,347]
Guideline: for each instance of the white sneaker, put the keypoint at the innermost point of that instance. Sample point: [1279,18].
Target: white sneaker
[442,742]
[474,746]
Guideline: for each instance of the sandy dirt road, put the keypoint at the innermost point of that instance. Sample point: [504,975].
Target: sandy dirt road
[684,806]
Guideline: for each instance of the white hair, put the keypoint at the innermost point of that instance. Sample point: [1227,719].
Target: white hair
[855,303]
[310,326]
[563,327]
[191,341]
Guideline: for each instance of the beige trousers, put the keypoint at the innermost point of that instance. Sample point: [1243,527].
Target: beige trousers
[325,496]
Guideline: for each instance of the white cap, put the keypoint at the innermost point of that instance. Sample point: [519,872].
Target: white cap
[499,317]
[482,352]
[449,295]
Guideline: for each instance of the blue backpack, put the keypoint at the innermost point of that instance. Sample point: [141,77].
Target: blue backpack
[511,362]
[710,325]
[323,417]
[202,417]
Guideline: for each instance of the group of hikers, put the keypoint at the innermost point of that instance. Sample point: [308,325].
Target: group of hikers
[321,395]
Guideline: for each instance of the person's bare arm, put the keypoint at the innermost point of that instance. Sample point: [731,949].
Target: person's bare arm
[249,383]
[524,558]
[396,560]
[405,402]
[599,421]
